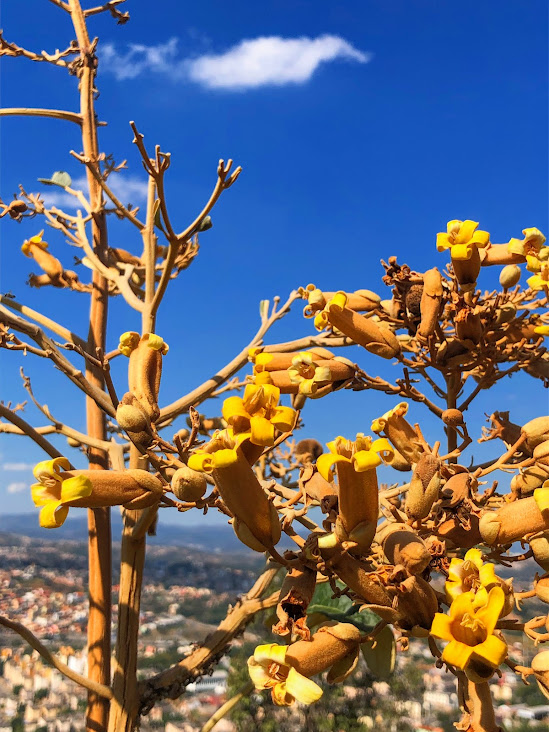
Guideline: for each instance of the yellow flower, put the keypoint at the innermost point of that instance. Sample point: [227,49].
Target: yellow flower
[36,241]
[470,574]
[400,432]
[130,340]
[258,413]
[307,374]
[472,646]
[268,671]
[54,493]
[529,247]
[287,670]
[462,238]
[355,463]
[539,281]
[255,519]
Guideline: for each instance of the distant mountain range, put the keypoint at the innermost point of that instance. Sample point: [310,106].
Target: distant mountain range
[208,537]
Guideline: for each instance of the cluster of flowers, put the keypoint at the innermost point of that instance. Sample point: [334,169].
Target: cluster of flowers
[431,524]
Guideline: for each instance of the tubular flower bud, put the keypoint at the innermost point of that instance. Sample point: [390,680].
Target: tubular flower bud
[401,545]
[464,242]
[355,464]
[353,573]
[424,487]
[145,368]
[295,595]
[472,646]
[361,300]
[416,604]
[517,519]
[471,574]
[431,299]
[540,667]
[188,485]
[500,254]
[399,432]
[363,331]
[255,518]
[36,248]
[258,413]
[58,489]
[286,670]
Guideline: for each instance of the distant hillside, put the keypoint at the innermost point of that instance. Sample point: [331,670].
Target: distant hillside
[219,538]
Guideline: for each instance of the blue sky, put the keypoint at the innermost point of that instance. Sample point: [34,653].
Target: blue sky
[362,128]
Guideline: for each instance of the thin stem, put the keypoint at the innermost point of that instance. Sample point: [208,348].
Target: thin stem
[26,429]
[58,329]
[51,113]
[224,709]
[100,689]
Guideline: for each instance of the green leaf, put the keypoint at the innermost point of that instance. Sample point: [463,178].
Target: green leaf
[59,178]
[381,657]
[323,596]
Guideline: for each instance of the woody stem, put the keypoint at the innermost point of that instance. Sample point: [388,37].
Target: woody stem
[99,528]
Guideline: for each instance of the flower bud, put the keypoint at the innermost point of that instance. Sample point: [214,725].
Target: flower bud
[452,417]
[509,276]
[540,667]
[541,453]
[540,547]
[308,450]
[188,485]
[401,545]
[537,431]
[542,589]
[424,487]
[133,420]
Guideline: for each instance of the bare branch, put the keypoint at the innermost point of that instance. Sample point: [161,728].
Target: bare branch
[26,429]
[32,640]
[52,113]
[45,321]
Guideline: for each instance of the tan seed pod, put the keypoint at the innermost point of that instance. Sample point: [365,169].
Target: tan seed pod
[540,667]
[509,276]
[540,547]
[188,485]
[537,431]
[330,644]
[542,589]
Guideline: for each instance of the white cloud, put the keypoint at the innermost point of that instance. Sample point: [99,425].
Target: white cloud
[270,61]
[17,487]
[17,466]
[128,188]
[138,58]
[263,61]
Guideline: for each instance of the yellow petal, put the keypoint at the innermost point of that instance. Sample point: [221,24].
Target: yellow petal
[474,556]
[51,468]
[492,651]
[384,448]
[41,494]
[481,597]
[461,252]
[280,696]
[489,614]
[270,653]
[533,264]
[454,570]
[283,418]
[541,497]
[258,674]
[534,236]
[466,231]
[461,605]
[262,431]
[480,239]
[302,688]
[223,459]
[442,627]
[453,589]
[536,282]
[232,408]
[542,330]
[515,246]
[443,242]
[365,460]
[53,515]
[201,461]
[487,574]
[457,654]
[128,342]
[79,486]
[338,302]
[157,343]
[325,464]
